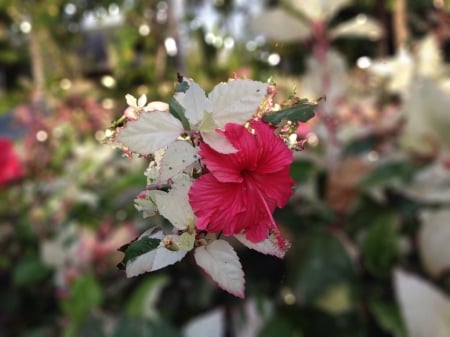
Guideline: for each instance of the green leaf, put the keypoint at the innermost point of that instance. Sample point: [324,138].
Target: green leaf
[138,327]
[176,109]
[136,248]
[361,146]
[92,327]
[300,112]
[325,264]
[387,315]
[302,169]
[379,248]
[278,326]
[29,271]
[85,294]
[182,86]
[394,171]
[144,299]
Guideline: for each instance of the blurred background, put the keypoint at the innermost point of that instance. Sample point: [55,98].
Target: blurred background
[369,221]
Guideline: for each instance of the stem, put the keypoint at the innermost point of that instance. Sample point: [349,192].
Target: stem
[400,25]
[321,47]
[37,67]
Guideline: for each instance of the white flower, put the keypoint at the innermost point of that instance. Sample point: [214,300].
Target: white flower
[135,106]
[231,102]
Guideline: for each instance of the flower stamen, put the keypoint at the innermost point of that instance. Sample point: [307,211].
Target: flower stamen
[281,242]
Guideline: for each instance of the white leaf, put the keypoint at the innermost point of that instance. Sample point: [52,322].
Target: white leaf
[335,69]
[221,263]
[194,102]
[152,131]
[268,246]
[176,158]
[153,260]
[423,131]
[211,324]
[425,309]
[174,205]
[431,185]
[236,101]
[218,142]
[277,24]
[212,137]
[156,106]
[319,10]
[359,26]
[429,57]
[147,207]
[434,238]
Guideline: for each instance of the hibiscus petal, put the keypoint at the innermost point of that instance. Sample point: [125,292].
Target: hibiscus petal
[228,167]
[243,140]
[273,152]
[236,101]
[225,168]
[152,131]
[257,233]
[216,204]
[277,186]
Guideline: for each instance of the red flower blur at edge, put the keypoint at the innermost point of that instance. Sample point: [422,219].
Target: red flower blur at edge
[242,189]
[10,167]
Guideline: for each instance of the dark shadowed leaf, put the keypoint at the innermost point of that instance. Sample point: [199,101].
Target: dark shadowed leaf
[325,264]
[139,327]
[136,248]
[28,271]
[301,112]
[176,109]
[389,172]
[361,146]
[278,326]
[379,247]
[387,315]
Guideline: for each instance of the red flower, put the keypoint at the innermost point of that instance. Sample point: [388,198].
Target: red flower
[242,189]
[10,167]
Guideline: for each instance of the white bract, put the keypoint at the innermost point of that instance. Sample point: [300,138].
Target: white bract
[231,102]
[221,263]
[174,205]
[154,129]
[319,10]
[210,324]
[433,241]
[425,309]
[176,158]
[279,25]
[268,246]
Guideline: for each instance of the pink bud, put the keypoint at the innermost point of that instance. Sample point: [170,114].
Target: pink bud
[130,114]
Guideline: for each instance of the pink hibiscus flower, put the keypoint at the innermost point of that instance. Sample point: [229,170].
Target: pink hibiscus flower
[10,166]
[242,189]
